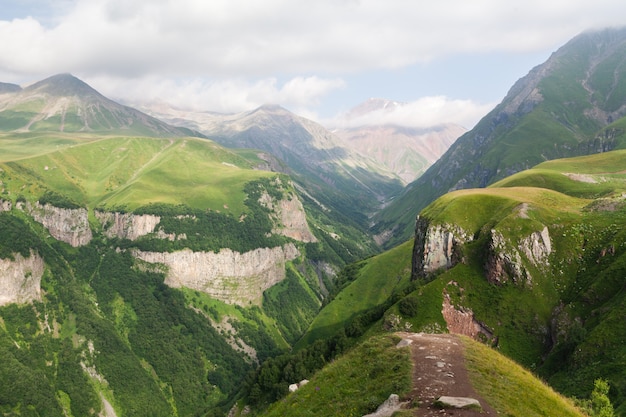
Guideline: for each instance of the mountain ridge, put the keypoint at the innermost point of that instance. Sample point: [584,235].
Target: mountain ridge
[547,114]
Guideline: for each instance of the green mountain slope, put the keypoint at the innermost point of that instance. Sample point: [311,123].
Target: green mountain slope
[107,246]
[63,103]
[560,109]
[536,268]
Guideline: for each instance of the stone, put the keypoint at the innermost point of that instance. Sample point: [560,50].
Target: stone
[458,403]
[386,409]
[404,342]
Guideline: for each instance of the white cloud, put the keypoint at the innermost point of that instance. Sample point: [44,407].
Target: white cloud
[225,96]
[422,113]
[247,38]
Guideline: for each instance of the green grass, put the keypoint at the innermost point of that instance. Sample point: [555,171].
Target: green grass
[374,284]
[510,389]
[354,384]
[133,172]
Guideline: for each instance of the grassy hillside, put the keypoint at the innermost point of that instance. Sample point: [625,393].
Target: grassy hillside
[361,287]
[572,298]
[360,380]
[560,316]
[132,172]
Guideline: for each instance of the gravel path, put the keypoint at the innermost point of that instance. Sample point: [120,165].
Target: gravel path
[439,370]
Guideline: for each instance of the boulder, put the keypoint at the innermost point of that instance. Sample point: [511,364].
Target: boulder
[458,402]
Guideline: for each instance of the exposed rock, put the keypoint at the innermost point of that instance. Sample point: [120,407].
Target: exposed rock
[20,278]
[233,277]
[458,402]
[403,343]
[436,247]
[461,320]
[293,387]
[289,217]
[386,409]
[126,225]
[67,225]
[504,259]
[5,205]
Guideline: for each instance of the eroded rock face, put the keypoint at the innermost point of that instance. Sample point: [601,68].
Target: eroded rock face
[233,277]
[67,225]
[127,225]
[461,320]
[436,247]
[505,261]
[20,278]
[289,217]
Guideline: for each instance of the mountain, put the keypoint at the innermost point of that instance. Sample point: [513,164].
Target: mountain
[334,176]
[63,103]
[531,265]
[561,108]
[405,151]
[148,276]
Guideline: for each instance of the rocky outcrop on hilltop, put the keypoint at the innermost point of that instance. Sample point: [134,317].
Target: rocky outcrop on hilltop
[126,225]
[233,277]
[20,278]
[505,261]
[436,247]
[67,225]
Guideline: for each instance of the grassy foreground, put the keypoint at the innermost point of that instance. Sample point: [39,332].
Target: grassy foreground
[511,389]
[353,385]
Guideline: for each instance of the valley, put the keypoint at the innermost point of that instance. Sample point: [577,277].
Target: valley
[198,264]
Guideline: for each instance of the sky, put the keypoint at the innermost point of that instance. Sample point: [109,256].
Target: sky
[448,60]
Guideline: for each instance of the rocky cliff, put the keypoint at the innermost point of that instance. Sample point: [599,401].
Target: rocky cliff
[126,225]
[288,216]
[233,277]
[436,247]
[67,225]
[505,260]
[20,278]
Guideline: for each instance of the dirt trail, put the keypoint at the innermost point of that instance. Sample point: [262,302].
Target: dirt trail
[439,370]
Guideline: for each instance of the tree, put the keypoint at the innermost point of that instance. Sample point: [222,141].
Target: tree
[600,404]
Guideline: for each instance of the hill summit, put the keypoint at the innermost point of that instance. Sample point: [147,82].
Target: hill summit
[64,103]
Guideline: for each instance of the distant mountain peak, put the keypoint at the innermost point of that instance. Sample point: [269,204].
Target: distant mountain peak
[63,85]
[371,105]
[9,88]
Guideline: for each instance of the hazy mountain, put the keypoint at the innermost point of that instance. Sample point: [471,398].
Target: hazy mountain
[63,103]
[557,110]
[334,175]
[404,150]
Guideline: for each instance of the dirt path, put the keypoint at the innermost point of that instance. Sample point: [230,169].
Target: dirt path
[439,370]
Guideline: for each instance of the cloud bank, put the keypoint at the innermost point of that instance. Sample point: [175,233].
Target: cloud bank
[224,55]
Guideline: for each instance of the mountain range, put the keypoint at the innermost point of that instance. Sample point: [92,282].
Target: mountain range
[149,269]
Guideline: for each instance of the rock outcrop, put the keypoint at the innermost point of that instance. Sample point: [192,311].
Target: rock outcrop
[505,261]
[20,278]
[126,225]
[5,205]
[289,217]
[233,277]
[461,320]
[436,247]
[67,225]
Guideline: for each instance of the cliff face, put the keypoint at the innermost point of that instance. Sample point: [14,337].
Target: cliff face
[20,278]
[289,217]
[67,225]
[436,247]
[505,260]
[233,277]
[126,225]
